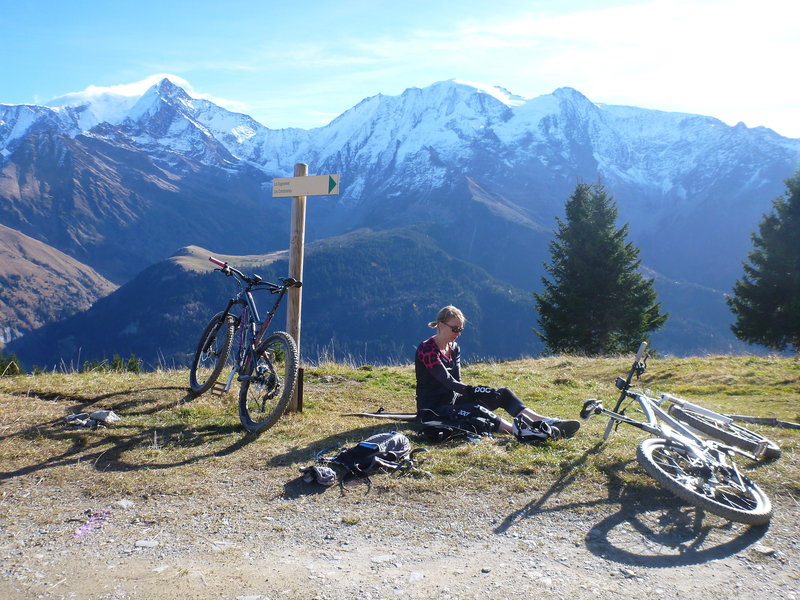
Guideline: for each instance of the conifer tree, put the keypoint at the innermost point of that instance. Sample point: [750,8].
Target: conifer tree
[9,365]
[766,300]
[596,301]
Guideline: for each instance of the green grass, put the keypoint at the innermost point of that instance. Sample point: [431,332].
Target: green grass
[168,442]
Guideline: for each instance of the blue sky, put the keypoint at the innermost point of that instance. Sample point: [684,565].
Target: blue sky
[302,65]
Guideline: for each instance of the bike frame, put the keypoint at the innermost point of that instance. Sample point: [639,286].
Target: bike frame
[679,434]
[699,470]
[672,430]
[669,429]
[725,419]
[249,327]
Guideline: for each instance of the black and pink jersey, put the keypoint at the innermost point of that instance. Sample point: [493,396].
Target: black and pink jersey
[438,376]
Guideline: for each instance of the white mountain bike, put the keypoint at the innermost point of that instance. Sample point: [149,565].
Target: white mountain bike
[698,470]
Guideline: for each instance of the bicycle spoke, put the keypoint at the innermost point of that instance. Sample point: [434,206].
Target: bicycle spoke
[212,354]
[265,394]
[704,482]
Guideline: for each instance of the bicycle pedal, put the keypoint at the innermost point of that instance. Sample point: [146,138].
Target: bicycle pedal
[218,389]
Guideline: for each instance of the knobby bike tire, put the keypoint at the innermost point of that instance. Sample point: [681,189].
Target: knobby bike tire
[729,433]
[266,387]
[211,354]
[719,494]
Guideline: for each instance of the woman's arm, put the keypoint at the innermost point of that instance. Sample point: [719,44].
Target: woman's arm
[431,360]
[442,375]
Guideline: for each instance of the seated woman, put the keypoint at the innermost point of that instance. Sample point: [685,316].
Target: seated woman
[441,395]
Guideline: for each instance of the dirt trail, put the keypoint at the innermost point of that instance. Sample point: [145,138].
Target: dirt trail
[248,536]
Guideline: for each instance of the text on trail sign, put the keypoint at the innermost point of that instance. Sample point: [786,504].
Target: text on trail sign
[312,185]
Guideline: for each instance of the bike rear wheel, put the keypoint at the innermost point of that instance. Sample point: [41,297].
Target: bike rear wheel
[729,433]
[266,387]
[709,487]
[212,353]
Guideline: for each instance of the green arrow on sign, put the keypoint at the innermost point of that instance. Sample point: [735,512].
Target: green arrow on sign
[312,185]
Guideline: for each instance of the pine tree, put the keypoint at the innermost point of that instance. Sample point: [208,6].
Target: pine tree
[766,301]
[9,365]
[596,301]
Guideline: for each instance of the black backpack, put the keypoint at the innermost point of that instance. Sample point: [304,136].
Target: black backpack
[389,451]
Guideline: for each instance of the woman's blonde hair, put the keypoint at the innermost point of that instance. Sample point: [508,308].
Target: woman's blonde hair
[447,313]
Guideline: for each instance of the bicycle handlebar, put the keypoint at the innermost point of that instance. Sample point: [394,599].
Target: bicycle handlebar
[217,261]
[288,282]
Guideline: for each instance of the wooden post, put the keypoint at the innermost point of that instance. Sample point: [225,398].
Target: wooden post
[295,301]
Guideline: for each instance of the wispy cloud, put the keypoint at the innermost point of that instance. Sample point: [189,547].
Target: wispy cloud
[724,58]
[721,57]
[137,88]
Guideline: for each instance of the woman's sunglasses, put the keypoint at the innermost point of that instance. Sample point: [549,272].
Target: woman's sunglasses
[454,329]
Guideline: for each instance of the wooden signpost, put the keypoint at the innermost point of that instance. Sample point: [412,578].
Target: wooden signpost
[299,187]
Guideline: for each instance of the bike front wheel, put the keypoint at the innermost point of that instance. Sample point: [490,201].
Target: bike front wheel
[212,353]
[267,386]
[715,488]
[729,433]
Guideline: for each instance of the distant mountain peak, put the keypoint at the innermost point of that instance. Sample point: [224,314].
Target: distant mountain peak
[155,97]
[168,90]
[499,93]
[568,92]
[477,169]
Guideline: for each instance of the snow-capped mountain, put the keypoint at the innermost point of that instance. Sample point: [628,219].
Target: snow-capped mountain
[485,171]
[456,122]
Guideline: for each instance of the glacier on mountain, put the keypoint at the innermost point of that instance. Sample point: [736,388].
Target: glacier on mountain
[452,118]
[656,163]
[464,157]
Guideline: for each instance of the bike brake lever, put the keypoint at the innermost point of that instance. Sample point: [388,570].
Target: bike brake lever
[292,282]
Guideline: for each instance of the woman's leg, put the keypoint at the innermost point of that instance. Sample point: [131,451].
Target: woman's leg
[514,406]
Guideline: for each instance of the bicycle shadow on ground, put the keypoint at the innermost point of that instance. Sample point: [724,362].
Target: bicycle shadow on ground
[106,452]
[81,404]
[651,529]
[650,533]
[570,475]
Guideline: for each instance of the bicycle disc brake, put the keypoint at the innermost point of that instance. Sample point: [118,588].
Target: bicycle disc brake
[266,380]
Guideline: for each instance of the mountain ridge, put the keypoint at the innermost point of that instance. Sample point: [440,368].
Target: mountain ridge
[479,172]
[36,270]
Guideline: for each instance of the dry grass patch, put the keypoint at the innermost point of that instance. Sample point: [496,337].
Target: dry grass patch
[168,442]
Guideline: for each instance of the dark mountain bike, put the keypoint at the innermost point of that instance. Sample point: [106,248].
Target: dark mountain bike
[700,471]
[265,364]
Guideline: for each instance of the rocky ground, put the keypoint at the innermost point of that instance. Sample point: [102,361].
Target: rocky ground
[251,535]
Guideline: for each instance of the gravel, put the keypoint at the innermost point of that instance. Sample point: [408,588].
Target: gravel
[245,536]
